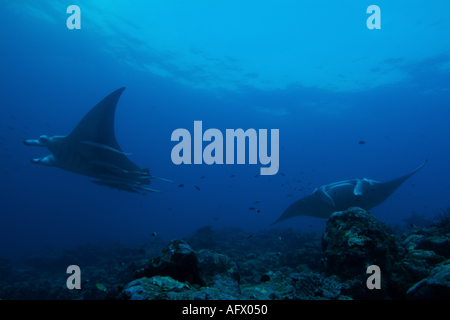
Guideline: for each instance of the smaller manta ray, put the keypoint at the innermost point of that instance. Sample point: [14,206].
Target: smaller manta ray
[91,149]
[340,196]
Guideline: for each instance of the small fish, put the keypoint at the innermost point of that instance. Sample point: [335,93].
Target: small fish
[202,177]
[289,195]
[181,185]
[251,208]
[282,174]
[233,176]
[412,226]
[361,142]
[264,278]
[249,236]
[197,188]
[255,202]
[153,234]
[256,175]
[100,287]
[259,211]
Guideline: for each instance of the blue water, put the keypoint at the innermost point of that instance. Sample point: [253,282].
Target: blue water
[313,70]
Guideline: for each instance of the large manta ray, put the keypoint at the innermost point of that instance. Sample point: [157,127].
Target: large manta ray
[91,149]
[340,196]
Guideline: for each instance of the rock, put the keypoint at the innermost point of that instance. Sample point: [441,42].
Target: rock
[438,244]
[203,268]
[277,288]
[308,255]
[208,293]
[416,262]
[203,238]
[313,286]
[434,287]
[218,270]
[354,240]
[252,268]
[166,288]
[154,288]
[177,261]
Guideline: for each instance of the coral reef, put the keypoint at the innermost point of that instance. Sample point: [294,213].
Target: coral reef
[231,264]
[434,287]
[353,241]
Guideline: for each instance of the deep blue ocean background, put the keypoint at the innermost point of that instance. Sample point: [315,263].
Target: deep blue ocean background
[313,70]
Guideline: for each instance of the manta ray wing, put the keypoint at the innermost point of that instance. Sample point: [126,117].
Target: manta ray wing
[94,136]
[97,126]
[377,192]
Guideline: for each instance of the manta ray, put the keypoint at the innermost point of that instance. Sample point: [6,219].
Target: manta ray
[340,196]
[91,149]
